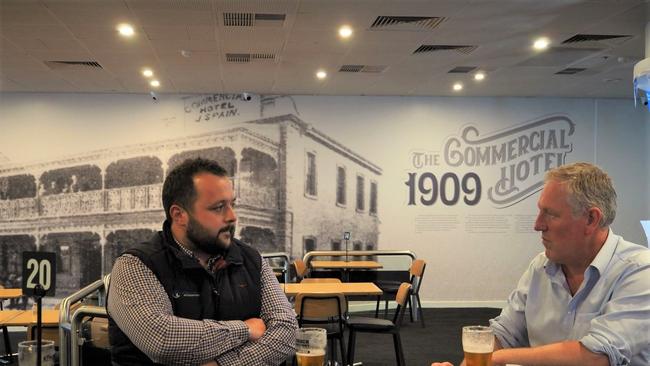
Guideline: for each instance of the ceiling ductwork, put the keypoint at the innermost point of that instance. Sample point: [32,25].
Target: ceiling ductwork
[428,48]
[406,23]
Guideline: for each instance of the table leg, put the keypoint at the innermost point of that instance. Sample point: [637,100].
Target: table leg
[6,358]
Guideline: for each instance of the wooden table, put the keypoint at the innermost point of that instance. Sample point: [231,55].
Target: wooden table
[10,293]
[345,265]
[346,288]
[27,317]
[24,318]
[7,293]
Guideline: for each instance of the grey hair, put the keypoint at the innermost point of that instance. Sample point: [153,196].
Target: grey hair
[589,186]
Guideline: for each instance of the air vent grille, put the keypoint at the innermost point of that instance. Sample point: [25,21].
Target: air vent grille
[388,22]
[238,19]
[372,69]
[253,19]
[570,71]
[248,57]
[462,69]
[270,17]
[593,38]
[466,49]
[351,68]
[73,65]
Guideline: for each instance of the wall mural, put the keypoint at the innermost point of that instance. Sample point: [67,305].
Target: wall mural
[455,180]
[521,154]
[91,207]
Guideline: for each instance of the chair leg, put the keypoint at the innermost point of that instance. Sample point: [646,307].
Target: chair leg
[332,348]
[421,313]
[344,360]
[409,304]
[386,309]
[377,308]
[399,353]
[351,344]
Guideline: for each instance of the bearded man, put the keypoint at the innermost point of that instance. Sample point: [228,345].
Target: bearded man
[193,294]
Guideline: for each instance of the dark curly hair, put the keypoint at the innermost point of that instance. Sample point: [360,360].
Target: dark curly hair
[179,184]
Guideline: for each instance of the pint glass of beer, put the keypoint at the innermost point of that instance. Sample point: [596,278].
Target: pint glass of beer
[478,344]
[310,346]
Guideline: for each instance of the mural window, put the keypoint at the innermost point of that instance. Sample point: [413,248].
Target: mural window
[65,259]
[309,244]
[373,198]
[357,245]
[340,186]
[370,247]
[360,194]
[336,245]
[310,179]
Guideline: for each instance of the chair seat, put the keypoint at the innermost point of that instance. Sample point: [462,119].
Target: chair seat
[370,324]
[331,328]
[388,286]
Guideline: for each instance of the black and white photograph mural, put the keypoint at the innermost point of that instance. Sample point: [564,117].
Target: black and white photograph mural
[455,180]
[90,207]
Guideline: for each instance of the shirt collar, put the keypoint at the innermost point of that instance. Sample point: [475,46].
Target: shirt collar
[211,261]
[605,253]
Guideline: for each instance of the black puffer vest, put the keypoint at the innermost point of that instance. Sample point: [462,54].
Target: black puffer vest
[232,294]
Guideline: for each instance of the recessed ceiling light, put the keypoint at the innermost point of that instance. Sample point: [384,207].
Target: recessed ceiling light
[458,86]
[479,76]
[321,74]
[155,83]
[541,43]
[345,31]
[147,73]
[125,30]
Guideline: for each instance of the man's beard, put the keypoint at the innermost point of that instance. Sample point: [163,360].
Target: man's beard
[203,241]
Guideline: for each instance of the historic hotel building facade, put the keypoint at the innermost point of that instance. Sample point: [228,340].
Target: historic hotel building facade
[297,189]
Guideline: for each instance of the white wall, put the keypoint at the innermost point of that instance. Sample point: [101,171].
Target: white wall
[466,264]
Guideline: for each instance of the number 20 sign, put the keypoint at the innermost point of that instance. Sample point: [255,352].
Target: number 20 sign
[39,268]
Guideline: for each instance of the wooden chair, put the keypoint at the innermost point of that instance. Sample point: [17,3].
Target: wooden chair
[375,325]
[320,280]
[324,311]
[390,287]
[301,269]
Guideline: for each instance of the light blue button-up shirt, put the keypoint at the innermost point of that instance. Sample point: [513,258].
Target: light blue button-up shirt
[609,314]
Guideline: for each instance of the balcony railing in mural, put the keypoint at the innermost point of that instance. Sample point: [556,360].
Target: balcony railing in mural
[128,199]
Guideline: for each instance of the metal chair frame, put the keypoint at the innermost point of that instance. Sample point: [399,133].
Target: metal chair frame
[319,308]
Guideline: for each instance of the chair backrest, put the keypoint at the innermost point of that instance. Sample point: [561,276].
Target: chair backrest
[402,294]
[320,306]
[320,280]
[417,272]
[301,268]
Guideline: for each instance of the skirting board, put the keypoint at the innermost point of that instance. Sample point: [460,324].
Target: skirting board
[370,306]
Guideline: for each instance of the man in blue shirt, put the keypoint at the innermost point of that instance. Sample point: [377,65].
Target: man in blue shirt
[586,299]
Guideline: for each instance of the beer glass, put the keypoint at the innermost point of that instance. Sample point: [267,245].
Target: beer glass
[478,344]
[27,351]
[310,346]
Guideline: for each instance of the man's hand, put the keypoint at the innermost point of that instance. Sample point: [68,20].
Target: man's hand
[442,364]
[211,363]
[256,328]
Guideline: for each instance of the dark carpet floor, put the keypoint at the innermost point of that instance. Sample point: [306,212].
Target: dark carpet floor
[440,340]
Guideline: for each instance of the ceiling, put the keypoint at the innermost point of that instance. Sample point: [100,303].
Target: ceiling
[276,46]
